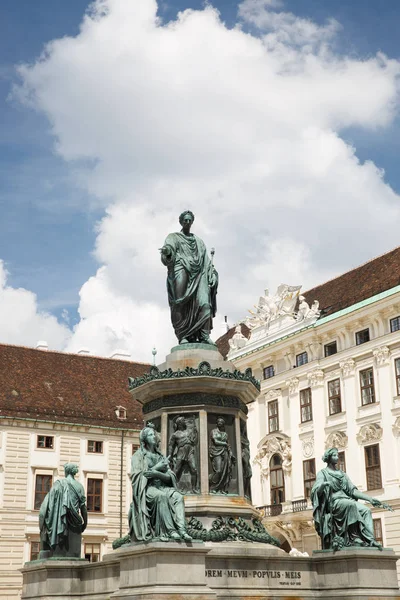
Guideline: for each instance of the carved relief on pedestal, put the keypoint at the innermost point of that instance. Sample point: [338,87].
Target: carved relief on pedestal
[381,355]
[274,444]
[315,377]
[292,384]
[396,427]
[308,447]
[347,367]
[336,439]
[369,433]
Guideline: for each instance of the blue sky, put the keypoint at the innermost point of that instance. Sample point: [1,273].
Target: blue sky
[48,228]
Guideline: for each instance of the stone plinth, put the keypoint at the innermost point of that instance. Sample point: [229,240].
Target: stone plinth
[219,571]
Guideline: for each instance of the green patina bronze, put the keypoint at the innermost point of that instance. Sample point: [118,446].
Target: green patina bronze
[63,517]
[231,529]
[339,519]
[157,511]
[221,458]
[192,283]
[193,399]
[203,370]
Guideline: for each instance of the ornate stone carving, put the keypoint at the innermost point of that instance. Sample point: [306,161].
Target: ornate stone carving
[292,384]
[369,433]
[308,447]
[274,444]
[336,439]
[293,529]
[270,308]
[315,377]
[381,355]
[238,340]
[396,427]
[272,394]
[203,370]
[305,312]
[347,367]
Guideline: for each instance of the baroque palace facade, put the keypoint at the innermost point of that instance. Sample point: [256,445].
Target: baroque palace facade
[57,408]
[329,365]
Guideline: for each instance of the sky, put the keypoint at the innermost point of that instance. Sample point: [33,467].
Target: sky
[275,121]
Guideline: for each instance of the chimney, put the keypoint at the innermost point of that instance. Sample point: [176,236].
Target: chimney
[42,345]
[120,355]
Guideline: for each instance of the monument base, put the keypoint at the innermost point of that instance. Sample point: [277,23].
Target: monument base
[198,571]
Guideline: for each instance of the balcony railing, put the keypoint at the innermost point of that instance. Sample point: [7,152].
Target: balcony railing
[298,505]
[271,510]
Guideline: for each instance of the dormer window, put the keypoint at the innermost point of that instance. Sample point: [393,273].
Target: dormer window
[120,411]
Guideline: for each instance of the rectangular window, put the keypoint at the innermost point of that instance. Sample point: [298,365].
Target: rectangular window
[95,447]
[309,476]
[373,467]
[362,336]
[397,371]
[342,461]
[273,416]
[367,386]
[395,324]
[335,401]
[34,550]
[92,552]
[42,486]
[378,530]
[94,495]
[301,359]
[330,349]
[45,441]
[269,371]
[305,405]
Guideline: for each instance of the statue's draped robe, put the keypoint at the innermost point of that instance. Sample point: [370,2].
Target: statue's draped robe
[157,509]
[191,284]
[338,513]
[60,512]
[221,462]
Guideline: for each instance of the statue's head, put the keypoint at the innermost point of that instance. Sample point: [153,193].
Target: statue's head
[220,422]
[147,434]
[180,423]
[71,469]
[331,456]
[186,213]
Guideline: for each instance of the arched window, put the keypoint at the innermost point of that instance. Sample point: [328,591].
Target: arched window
[277,480]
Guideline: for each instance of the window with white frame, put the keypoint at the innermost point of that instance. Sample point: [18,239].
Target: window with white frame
[273,416]
[95,447]
[45,441]
[334,397]
[305,405]
[395,324]
[43,483]
[367,387]
[301,359]
[362,337]
[92,552]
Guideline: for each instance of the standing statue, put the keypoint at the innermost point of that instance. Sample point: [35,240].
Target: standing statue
[246,466]
[63,517]
[339,519]
[181,449]
[222,459]
[157,510]
[192,283]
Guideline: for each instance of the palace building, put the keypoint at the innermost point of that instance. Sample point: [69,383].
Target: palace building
[57,408]
[329,365]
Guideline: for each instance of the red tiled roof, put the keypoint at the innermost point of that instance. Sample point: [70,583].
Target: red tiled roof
[371,278]
[56,386]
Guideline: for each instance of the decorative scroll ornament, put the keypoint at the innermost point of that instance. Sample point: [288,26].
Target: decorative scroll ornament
[315,377]
[369,433]
[381,355]
[308,447]
[230,529]
[347,367]
[274,444]
[292,384]
[203,370]
[396,427]
[238,340]
[272,394]
[336,439]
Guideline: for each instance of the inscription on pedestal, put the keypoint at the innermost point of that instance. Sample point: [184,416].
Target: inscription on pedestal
[281,578]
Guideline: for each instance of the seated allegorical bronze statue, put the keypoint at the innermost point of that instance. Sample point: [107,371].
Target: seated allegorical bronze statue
[63,517]
[339,519]
[157,511]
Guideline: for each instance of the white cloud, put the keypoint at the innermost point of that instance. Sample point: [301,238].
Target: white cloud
[243,130]
[21,322]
